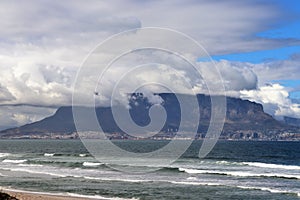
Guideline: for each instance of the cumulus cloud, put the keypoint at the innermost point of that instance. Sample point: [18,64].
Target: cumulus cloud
[5,95]
[233,77]
[43,43]
[275,99]
[261,83]
[277,70]
[11,116]
[35,87]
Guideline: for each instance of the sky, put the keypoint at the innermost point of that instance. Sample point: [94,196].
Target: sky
[255,45]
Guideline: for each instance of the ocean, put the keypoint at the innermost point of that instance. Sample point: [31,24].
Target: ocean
[232,170]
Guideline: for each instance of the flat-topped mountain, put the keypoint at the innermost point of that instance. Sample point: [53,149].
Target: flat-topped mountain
[243,118]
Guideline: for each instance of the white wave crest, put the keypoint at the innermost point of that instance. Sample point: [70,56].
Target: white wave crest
[69,195]
[223,162]
[272,166]
[192,171]
[49,154]
[251,174]
[240,173]
[33,171]
[4,155]
[91,164]
[117,179]
[271,190]
[13,161]
[99,197]
[29,165]
[194,183]
[192,178]
[2,175]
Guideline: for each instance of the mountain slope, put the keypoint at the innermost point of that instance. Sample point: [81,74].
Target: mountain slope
[241,116]
[292,121]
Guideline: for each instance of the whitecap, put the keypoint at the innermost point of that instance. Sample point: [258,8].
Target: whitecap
[99,197]
[117,179]
[91,164]
[2,175]
[194,183]
[69,195]
[4,155]
[29,165]
[49,154]
[271,190]
[192,178]
[192,171]
[273,166]
[223,162]
[34,171]
[13,161]
[240,173]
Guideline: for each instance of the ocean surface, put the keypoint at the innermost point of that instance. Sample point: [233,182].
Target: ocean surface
[233,170]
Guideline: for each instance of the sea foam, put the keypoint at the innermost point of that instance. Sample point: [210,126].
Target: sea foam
[240,173]
[273,166]
[49,154]
[4,155]
[91,164]
[13,161]
[271,190]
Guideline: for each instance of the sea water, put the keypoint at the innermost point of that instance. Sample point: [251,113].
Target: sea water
[233,170]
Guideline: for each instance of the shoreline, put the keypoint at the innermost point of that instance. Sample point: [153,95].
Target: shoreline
[30,195]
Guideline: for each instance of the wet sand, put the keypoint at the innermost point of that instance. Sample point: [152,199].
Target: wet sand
[21,195]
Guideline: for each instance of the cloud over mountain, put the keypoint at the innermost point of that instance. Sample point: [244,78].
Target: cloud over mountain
[43,44]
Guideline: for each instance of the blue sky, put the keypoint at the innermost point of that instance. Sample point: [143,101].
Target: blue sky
[288,29]
[261,56]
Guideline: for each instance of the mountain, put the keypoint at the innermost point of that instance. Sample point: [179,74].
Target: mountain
[243,118]
[292,121]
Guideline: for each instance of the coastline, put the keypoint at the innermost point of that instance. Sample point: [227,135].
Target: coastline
[29,195]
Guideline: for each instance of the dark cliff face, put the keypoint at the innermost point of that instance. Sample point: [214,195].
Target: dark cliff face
[240,115]
[247,115]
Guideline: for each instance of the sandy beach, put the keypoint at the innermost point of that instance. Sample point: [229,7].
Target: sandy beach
[23,195]
[30,196]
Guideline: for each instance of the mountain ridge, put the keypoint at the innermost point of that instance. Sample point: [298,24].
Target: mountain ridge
[243,119]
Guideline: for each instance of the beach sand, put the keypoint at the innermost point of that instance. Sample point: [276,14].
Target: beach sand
[36,196]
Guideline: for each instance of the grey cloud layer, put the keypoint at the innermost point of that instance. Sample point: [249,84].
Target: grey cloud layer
[43,43]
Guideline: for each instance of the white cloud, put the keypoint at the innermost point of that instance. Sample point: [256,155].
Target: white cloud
[234,78]
[5,95]
[13,116]
[288,69]
[275,99]
[43,43]
[267,76]
[220,26]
